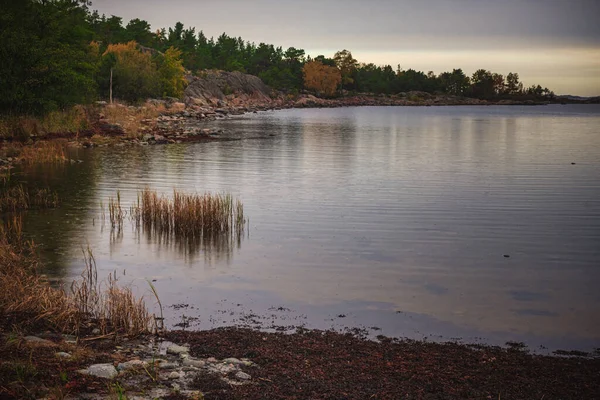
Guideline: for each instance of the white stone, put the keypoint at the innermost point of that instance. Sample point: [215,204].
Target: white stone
[243,376]
[175,349]
[107,371]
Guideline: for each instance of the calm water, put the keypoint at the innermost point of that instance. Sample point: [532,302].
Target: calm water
[395,218]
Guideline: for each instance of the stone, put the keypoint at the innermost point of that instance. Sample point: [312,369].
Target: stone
[96,331]
[242,376]
[37,340]
[233,361]
[174,375]
[107,371]
[130,365]
[175,349]
[62,354]
[168,365]
[193,363]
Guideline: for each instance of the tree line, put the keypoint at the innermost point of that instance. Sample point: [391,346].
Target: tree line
[56,53]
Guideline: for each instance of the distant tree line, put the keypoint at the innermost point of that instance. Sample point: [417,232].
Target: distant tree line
[56,53]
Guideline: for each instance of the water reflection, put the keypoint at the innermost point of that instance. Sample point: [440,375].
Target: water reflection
[409,207]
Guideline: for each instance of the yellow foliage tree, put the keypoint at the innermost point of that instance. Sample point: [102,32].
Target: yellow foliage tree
[135,74]
[172,73]
[322,78]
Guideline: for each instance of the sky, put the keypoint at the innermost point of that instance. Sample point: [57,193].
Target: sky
[554,43]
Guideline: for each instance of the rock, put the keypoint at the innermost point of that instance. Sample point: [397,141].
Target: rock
[96,331]
[174,375]
[107,371]
[111,129]
[62,354]
[37,340]
[160,139]
[193,363]
[507,256]
[243,376]
[130,365]
[168,365]
[233,361]
[71,339]
[175,349]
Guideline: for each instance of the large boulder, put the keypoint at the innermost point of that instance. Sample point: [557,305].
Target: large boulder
[215,88]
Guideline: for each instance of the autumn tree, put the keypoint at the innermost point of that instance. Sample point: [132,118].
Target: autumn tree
[135,75]
[346,64]
[172,73]
[322,78]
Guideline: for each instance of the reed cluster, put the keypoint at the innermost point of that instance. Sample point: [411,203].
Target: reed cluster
[18,198]
[28,299]
[191,215]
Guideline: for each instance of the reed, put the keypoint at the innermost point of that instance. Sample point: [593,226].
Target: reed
[192,215]
[18,198]
[29,300]
[115,211]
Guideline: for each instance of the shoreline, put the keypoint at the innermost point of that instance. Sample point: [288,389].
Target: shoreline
[238,363]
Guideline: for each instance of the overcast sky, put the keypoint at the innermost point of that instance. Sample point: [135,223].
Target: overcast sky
[555,43]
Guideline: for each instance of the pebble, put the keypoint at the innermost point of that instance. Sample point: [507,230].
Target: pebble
[243,376]
[35,339]
[233,361]
[175,349]
[107,371]
[193,363]
[174,375]
[130,365]
[168,365]
[62,354]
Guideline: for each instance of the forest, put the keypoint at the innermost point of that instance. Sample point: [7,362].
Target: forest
[58,53]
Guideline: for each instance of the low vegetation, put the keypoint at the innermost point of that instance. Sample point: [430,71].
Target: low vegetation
[189,215]
[18,198]
[29,301]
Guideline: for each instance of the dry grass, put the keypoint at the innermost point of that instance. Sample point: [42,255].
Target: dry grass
[18,198]
[42,152]
[71,121]
[192,215]
[116,212]
[28,298]
[134,120]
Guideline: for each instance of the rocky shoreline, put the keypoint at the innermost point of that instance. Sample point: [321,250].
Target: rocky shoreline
[231,363]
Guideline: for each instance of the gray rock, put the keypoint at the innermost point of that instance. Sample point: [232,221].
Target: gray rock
[175,349]
[130,365]
[233,361]
[168,365]
[37,340]
[62,354]
[242,376]
[174,375]
[193,363]
[96,331]
[107,371]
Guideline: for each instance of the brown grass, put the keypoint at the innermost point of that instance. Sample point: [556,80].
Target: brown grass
[134,120]
[192,215]
[71,121]
[42,152]
[18,198]
[27,297]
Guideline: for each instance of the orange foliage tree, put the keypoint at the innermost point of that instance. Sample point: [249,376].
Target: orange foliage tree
[322,78]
